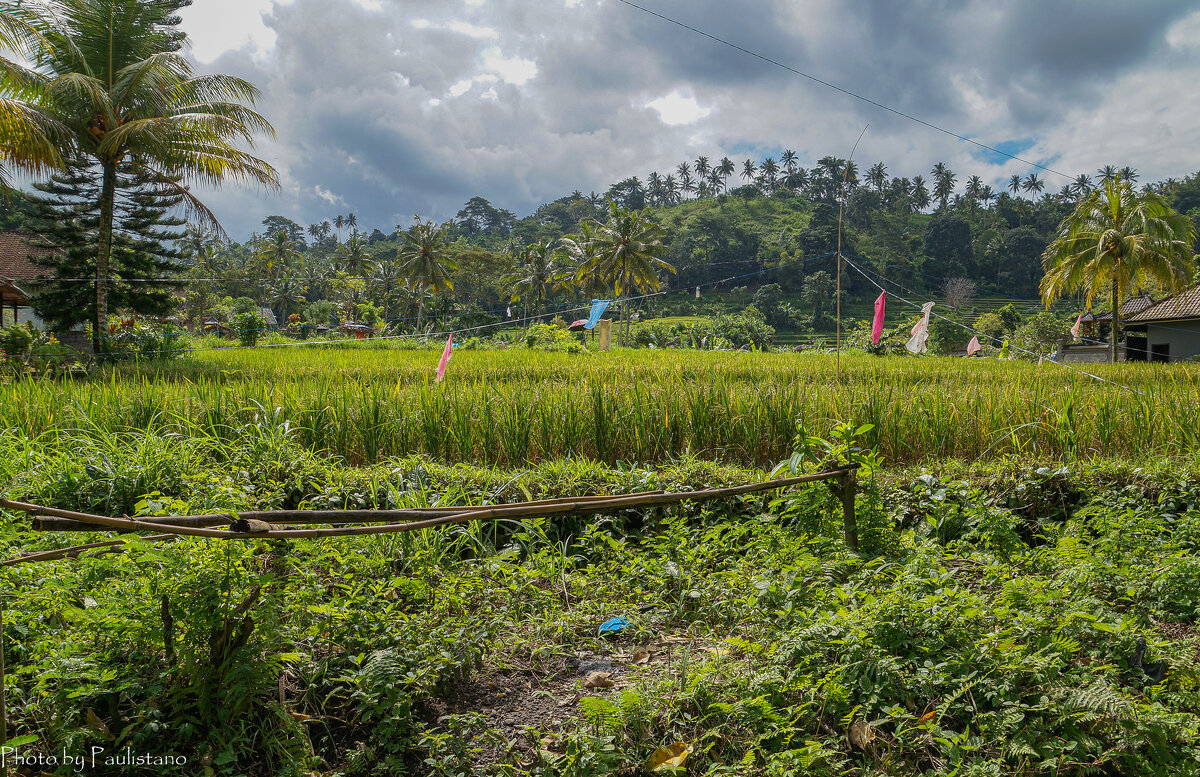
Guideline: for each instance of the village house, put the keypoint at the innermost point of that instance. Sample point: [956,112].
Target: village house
[16,275]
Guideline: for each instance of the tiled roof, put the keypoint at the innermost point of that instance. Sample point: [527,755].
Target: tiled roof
[1131,307]
[1185,304]
[14,257]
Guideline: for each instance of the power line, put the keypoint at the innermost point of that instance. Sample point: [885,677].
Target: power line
[844,91]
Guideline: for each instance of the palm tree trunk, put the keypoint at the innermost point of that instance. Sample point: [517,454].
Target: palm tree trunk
[420,313]
[1116,320]
[108,191]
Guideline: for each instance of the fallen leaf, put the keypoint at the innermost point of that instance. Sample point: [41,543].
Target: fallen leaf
[861,734]
[598,680]
[718,652]
[669,757]
[640,657]
[300,716]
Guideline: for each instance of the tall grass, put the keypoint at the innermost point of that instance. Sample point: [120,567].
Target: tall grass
[517,406]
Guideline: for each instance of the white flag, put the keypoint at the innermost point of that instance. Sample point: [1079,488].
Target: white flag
[920,332]
[974,347]
[1078,324]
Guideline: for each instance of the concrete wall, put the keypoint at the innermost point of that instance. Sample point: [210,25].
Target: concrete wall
[1088,354]
[1181,337]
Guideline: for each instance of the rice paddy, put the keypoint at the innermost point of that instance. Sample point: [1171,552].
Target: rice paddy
[522,406]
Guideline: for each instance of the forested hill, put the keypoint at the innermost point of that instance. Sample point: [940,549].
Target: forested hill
[779,226]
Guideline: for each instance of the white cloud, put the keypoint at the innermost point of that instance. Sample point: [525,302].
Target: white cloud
[676,109]
[1185,33]
[512,70]
[328,196]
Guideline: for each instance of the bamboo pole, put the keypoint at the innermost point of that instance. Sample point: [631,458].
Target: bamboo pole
[111,546]
[210,520]
[580,506]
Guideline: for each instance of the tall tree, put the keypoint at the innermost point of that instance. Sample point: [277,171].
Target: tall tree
[538,275]
[1117,240]
[749,170]
[1014,184]
[1033,183]
[30,141]
[877,176]
[625,252]
[425,261]
[148,250]
[352,256]
[943,183]
[110,72]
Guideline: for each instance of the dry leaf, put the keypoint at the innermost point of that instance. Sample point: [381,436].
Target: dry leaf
[97,725]
[928,716]
[861,734]
[718,652]
[598,680]
[669,757]
[641,656]
[300,716]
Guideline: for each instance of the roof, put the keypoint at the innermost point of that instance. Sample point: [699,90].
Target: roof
[1185,304]
[1131,307]
[14,256]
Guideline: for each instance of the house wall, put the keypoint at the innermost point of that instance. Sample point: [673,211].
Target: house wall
[1183,338]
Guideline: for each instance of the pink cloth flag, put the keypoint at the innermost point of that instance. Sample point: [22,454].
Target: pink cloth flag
[877,326]
[1078,324]
[441,370]
[974,347]
[920,332]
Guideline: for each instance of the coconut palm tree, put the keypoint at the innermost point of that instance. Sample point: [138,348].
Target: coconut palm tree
[749,170]
[943,183]
[538,275]
[276,255]
[1014,184]
[352,222]
[1107,173]
[30,141]
[109,72]
[768,175]
[986,195]
[1129,174]
[1033,183]
[1081,185]
[352,256]
[339,221]
[877,176]
[1116,241]
[920,194]
[424,260]
[726,168]
[624,252]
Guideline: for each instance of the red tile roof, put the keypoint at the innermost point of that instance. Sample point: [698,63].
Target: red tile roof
[1185,304]
[14,257]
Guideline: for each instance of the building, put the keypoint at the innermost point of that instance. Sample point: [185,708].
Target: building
[1168,330]
[16,274]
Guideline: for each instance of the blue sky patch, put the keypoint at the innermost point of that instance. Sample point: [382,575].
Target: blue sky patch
[1014,147]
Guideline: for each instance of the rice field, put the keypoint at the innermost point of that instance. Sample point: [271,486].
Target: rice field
[521,406]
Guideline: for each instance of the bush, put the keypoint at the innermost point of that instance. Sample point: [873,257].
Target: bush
[1038,336]
[546,336]
[140,339]
[15,340]
[249,327]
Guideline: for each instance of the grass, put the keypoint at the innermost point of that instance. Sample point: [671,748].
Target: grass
[518,406]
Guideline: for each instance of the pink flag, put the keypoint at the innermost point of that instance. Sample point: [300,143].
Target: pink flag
[974,347]
[441,370]
[877,327]
[1078,324]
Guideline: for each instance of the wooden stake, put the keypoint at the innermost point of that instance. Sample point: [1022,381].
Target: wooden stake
[841,210]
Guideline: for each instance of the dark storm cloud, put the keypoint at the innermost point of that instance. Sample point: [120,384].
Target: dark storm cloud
[419,105]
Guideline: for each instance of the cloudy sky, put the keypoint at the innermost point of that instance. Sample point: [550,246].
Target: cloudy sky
[389,108]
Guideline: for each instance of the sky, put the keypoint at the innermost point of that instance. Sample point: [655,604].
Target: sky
[395,108]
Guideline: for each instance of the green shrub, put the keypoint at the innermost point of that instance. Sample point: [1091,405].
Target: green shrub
[249,327]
